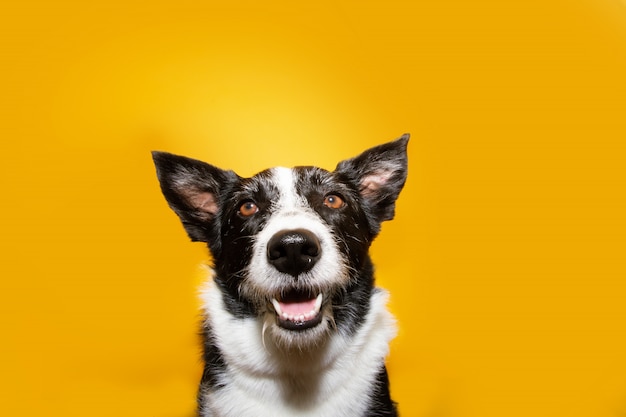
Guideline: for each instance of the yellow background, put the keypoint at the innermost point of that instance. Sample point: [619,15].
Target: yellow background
[505,260]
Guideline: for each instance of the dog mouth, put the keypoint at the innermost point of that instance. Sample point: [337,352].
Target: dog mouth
[297,310]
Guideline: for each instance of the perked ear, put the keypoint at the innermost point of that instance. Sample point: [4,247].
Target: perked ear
[192,189]
[380,174]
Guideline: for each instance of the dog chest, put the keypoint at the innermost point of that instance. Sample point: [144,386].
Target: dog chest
[258,381]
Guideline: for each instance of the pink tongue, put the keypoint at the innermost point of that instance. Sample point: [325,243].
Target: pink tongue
[297,307]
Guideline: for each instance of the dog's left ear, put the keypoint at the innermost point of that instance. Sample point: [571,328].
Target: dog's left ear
[380,174]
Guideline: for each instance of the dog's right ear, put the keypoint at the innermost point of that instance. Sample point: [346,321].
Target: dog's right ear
[193,189]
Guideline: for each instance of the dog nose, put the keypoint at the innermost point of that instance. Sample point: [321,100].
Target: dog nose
[293,251]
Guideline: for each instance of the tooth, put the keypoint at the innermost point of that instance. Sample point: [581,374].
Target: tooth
[318,303]
[301,317]
[276,306]
[285,316]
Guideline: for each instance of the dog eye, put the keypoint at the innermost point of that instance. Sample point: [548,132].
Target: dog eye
[248,209]
[333,201]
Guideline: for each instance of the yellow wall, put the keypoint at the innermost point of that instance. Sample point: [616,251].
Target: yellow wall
[505,261]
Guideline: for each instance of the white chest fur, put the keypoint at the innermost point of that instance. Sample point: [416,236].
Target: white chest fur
[333,381]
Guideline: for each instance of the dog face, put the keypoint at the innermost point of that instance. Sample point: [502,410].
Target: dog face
[290,244]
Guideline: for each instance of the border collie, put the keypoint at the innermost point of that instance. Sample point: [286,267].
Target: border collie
[294,325]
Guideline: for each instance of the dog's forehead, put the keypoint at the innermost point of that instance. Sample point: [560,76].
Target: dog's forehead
[288,184]
[287,179]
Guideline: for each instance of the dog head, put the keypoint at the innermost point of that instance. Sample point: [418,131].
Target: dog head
[290,245]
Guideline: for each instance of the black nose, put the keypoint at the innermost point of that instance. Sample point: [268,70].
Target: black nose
[293,251]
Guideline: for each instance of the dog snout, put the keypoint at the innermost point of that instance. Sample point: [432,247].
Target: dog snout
[293,251]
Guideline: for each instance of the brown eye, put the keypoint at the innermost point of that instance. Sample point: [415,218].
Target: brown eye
[248,208]
[333,201]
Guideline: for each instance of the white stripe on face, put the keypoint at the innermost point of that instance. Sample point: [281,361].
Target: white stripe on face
[289,198]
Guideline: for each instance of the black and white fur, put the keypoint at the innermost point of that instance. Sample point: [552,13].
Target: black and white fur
[294,325]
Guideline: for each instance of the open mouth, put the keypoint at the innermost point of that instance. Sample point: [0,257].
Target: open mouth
[298,310]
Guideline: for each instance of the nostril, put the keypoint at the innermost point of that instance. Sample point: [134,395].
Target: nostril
[275,251]
[293,251]
[311,248]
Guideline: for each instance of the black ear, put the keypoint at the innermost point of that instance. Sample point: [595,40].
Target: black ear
[193,189]
[379,173]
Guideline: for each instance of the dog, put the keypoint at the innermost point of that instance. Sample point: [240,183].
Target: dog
[293,322]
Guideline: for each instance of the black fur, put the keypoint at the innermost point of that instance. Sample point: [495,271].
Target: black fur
[382,405]
[207,200]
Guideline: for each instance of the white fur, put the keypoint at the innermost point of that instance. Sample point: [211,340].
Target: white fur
[331,381]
